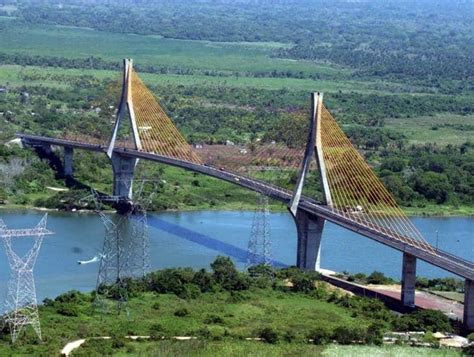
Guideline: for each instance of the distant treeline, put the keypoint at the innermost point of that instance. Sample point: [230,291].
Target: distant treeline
[101,64]
[396,39]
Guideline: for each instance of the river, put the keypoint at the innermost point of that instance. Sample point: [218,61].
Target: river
[196,238]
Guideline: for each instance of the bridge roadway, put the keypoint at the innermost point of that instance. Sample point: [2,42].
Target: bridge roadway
[439,258]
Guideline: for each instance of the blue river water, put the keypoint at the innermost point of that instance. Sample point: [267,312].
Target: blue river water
[195,238]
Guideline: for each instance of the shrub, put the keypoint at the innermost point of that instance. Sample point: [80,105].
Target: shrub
[424,320]
[156,332]
[225,274]
[321,335]
[67,310]
[71,296]
[203,280]
[181,312]
[213,332]
[261,270]
[375,333]
[303,283]
[378,278]
[346,335]
[156,306]
[213,319]
[268,335]
[118,342]
[190,291]
[290,336]
[236,297]
[470,337]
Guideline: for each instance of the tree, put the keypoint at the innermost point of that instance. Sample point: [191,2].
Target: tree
[225,274]
[433,185]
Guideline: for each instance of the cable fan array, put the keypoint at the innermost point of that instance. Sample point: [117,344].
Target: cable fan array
[156,130]
[357,193]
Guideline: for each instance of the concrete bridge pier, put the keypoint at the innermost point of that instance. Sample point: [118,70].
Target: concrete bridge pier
[309,229]
[68,161]
[408,280]
[469,305]
[124,169]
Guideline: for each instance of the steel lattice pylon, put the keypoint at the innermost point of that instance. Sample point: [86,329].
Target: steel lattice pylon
[125,254]
[259,250]
[21,306]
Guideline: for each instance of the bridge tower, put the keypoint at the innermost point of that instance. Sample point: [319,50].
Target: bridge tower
[124,167]
[309,227]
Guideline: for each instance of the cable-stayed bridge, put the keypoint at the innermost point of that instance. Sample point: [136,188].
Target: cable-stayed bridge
[352,195]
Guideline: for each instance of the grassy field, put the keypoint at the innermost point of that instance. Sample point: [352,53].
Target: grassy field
[239,318]
[255,348]
[452,295]
[80,42]
[12,75]
[441,129]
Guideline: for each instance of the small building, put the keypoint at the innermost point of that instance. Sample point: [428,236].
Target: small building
[198,146]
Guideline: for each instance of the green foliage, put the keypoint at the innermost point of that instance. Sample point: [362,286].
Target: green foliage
[379,278]
[434,186]
[424,320]
[181,312]
[227,276]
[346,335]
[440,284]
[303,283]
[268,335]
[67,310]
[214,319]
[321,335]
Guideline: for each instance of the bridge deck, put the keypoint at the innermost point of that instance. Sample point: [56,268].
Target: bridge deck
[439,258]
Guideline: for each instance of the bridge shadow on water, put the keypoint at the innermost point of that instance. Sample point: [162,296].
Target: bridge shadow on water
[204,240]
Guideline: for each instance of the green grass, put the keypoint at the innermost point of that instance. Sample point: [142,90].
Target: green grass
[386,351]
[441,129]
[451,295]
[73,42]
[255,348]
[60,77]
[259,308]
[432,209]
[215,348]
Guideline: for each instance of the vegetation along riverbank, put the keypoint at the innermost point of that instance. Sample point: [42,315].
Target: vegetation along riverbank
[263,311]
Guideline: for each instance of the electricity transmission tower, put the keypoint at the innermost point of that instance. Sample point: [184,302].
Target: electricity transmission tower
[259,250]
[21,307]
[125,253]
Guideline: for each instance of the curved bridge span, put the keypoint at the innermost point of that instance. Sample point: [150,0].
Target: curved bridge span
[441,259]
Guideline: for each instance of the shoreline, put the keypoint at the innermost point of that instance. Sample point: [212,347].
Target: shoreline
[189,209]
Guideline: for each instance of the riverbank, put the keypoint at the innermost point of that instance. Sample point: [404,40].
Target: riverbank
[427,211]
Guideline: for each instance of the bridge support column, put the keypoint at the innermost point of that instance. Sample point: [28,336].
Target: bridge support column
[408,280]
[68,161]
[46,148]
[124,169]
[309,229]
[469,305]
